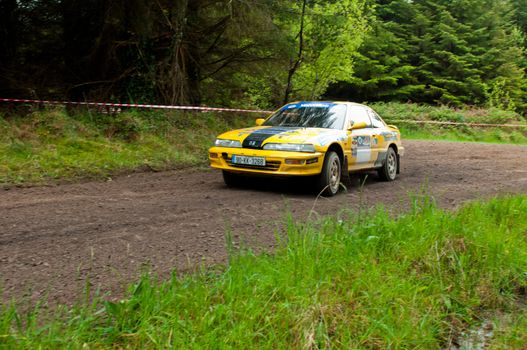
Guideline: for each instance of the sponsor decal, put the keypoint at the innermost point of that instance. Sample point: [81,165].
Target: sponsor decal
[309,105]
[361,141]
[361,149]
[316,105]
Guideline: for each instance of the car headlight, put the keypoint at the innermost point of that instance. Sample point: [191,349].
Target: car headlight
[290,147]
[227,143]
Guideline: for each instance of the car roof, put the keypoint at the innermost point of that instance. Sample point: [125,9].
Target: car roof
[336,102]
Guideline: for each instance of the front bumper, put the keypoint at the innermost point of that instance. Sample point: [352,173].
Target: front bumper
[276,161]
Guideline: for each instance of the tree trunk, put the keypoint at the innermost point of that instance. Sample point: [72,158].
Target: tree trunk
[296,63]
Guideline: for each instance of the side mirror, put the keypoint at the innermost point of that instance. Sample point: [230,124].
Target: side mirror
[260,121]
[356,126]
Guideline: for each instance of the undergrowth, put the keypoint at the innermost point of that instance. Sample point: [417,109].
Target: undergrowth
[393,113]
[53,144]
[415,281]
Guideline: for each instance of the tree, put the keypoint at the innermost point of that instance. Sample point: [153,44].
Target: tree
[262,52]
[295,62]
[9,31]
[440,51]
[470,44]
[29,53]
[333,32]
[382,70]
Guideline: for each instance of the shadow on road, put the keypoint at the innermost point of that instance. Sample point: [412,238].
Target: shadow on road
[298,186]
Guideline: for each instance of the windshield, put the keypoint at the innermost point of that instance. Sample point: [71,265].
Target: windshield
[310,115]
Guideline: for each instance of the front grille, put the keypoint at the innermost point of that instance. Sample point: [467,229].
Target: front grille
[270,165]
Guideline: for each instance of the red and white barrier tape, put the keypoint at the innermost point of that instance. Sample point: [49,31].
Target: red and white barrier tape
[134,105]
[218,109]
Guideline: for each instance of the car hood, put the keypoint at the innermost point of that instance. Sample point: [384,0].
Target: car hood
[256,137]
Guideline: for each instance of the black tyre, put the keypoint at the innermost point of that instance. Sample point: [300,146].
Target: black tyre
[388,172]
[231,179]
[328,181]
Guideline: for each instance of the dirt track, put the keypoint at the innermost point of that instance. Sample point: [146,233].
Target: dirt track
[53,238]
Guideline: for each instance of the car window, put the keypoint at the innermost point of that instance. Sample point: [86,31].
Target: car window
[376,120]
[310,115]
[359,114]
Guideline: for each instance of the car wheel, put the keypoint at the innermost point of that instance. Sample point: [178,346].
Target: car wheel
[329,179]
[231,179]
[388,172]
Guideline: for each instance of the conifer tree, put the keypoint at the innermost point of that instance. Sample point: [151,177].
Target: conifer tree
[382,67]
[441,51]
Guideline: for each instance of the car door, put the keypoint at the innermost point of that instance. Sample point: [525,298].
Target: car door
[363,155]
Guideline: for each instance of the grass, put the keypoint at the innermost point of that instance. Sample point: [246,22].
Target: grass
[370,281]
[510,330]
[55,144]
[465,134]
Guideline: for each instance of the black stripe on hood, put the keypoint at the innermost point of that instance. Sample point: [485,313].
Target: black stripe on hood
[257,138]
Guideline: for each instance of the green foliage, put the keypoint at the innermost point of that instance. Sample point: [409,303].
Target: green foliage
[254,54]
[382,68]
[182,52]
[444,52]
[498,96]
[333,32]
[371,281]
[415,111]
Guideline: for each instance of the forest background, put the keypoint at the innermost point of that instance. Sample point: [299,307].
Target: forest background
[262,53]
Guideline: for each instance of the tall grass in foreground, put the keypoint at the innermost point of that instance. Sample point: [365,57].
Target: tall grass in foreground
[415,281]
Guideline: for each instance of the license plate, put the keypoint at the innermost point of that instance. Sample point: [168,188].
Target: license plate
[244,160]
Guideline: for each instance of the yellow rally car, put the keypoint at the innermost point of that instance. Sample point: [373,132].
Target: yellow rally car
[321,139]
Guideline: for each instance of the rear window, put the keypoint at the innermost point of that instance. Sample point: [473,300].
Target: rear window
[310,115]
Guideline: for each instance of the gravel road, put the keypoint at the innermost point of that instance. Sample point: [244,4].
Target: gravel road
[54,238]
